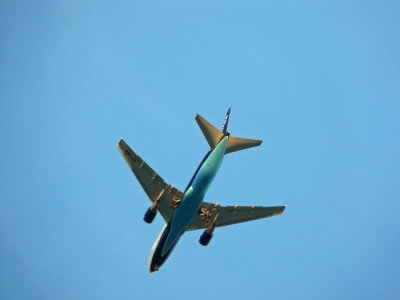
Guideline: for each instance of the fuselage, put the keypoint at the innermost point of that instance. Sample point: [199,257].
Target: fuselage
[189,206]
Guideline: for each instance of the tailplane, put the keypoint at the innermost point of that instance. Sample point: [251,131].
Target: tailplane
[237,144]
[213,135]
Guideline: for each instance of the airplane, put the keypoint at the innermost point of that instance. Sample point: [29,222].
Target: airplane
[187,211]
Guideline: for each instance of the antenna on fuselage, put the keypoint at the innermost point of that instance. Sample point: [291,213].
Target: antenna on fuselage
[225,125]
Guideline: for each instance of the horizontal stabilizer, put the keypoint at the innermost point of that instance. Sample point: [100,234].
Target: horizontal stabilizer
[212,134]
[237,144]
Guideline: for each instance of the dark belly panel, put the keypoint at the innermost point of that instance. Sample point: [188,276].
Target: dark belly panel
[158,260]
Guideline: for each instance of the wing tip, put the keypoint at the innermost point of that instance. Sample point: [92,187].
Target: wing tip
[283,209]
[121,142]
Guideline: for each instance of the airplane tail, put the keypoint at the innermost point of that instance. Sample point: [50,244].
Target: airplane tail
[213,135]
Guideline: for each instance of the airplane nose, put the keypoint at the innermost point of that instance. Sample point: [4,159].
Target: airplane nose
[154,268]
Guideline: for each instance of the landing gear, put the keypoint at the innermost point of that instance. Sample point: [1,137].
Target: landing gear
[175,202]
[205,214]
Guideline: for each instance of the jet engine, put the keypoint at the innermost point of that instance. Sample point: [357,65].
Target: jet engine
[207,235]
[205,238]
[150,214]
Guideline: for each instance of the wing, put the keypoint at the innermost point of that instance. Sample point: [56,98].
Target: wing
[155,187]
[227,215]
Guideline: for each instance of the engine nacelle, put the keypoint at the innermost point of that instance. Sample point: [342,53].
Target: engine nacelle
[206,237]
[150,214]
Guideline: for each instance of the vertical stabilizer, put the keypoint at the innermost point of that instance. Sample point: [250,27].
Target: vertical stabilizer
[225,125]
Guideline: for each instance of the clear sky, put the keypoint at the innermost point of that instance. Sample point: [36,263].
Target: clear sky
[319,82]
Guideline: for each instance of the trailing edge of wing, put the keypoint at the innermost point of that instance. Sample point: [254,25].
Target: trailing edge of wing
[154,186]
[228,215]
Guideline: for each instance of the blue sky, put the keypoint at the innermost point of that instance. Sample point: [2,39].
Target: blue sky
[317,81]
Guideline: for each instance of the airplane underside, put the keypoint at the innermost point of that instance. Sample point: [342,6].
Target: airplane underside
[187,211]
[156,259]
